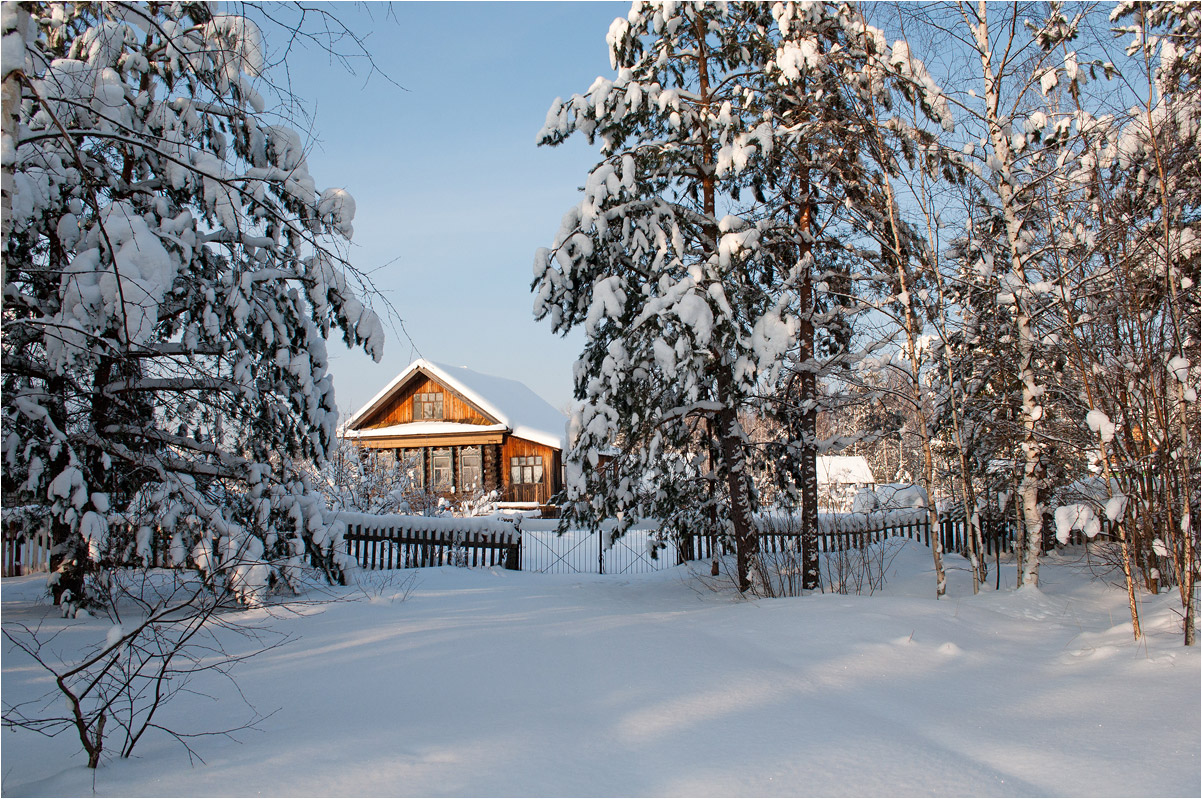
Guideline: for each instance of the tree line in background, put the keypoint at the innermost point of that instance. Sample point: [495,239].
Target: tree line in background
[964,233]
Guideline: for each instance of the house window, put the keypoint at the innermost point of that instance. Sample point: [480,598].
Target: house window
[385,460]
[415,466]
[444,470]
[470,469]
[427,406]
[526,469]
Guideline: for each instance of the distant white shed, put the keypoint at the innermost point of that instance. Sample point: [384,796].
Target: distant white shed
[840,477]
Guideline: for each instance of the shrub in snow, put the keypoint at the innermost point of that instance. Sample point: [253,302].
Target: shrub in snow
[889,496]
[1076,517]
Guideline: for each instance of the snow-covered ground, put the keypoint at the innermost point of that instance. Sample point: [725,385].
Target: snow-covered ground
[487,682]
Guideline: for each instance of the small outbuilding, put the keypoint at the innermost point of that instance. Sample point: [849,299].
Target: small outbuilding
[840,477]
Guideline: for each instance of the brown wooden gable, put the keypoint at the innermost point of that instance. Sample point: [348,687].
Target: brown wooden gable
[398,409]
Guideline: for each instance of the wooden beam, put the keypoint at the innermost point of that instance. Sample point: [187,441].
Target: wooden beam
[414,442]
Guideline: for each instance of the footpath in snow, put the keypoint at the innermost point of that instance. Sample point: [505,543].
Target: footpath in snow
[487,682]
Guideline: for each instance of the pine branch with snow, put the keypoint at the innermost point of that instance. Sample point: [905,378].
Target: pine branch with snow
[173,273]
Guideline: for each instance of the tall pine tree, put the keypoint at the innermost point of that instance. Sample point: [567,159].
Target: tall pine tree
[697,260]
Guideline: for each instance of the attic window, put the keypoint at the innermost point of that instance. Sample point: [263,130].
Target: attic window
[427,406]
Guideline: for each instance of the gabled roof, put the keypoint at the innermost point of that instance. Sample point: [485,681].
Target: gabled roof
[510,403]
[844,469]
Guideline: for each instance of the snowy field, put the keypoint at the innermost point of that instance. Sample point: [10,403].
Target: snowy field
[487,682]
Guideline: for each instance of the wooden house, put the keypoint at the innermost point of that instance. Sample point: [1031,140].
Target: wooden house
[462,431]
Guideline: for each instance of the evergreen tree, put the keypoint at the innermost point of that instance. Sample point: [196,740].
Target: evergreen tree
[171,277]
[702,258]
[680,310]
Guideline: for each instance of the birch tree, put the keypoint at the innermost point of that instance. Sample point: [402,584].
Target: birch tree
[999,241]
[1156,194]
[1122,232]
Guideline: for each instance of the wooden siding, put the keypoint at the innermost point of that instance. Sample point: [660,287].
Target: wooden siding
[552,468]
[399,409]
[492,468]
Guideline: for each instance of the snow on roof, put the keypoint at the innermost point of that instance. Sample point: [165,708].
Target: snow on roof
[524,413]
[844,469]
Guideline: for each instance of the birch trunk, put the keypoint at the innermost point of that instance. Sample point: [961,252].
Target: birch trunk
[1002,167]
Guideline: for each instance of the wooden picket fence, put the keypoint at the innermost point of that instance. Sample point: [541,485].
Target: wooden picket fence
[399,542]
[836,533]
[29,552]
[406,542]
[843,531]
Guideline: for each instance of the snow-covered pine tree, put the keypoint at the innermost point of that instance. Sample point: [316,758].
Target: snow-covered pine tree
[693,294]
[677,296]
[172,274]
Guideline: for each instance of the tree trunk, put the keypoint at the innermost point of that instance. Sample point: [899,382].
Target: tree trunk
[1033,467]
[67,550]
[730,434]
[811,578]
[735,469]
[1011,208]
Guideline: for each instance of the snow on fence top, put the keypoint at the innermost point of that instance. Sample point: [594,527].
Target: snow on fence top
[500,529]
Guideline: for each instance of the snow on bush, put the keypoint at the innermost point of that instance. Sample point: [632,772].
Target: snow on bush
[889,496]
[1076,517]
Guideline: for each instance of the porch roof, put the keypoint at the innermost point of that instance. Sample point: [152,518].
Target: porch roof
[427,434]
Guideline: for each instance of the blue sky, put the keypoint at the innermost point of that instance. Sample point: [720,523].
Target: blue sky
[453,197]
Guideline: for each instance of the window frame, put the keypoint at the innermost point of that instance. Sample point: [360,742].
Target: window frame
[428,406]
[417,471]
[523,466]
[466,456]
[447,471]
